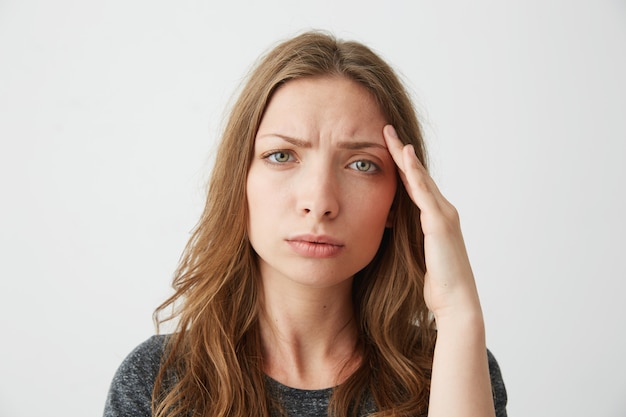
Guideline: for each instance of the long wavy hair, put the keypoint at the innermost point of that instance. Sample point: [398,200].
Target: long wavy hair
[213,364]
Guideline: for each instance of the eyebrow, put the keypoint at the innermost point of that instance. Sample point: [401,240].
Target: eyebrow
[301,143]
[360,145]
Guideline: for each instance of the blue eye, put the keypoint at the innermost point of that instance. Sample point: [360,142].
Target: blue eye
[279,157]
[364,166]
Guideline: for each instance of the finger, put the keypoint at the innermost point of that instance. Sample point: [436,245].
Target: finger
[394,145]
[417,181]
[420,185]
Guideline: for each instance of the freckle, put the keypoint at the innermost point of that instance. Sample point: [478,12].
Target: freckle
[324,306]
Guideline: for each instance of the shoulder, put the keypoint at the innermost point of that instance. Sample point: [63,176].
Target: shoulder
[497,386]
[142,364]
[130,393]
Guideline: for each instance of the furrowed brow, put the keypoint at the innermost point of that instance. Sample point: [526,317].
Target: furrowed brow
[360,145]
[301,143]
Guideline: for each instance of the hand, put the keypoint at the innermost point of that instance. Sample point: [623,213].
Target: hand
[460,382]
[449,288]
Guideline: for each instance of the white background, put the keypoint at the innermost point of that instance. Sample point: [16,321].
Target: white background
[109,111]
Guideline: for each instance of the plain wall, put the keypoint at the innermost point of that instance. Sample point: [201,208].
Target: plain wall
[109,112]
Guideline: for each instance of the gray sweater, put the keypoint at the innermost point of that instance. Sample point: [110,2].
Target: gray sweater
[130,394]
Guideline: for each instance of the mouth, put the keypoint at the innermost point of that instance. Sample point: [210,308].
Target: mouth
[315,246]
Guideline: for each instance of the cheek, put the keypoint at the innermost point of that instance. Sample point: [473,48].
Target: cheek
[369,211]
[264,202]
[257,189]
[377,203]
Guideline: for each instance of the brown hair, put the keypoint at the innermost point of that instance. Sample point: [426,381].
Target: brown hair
[213,363]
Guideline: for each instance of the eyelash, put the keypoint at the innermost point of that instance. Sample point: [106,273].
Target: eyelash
[373,167]
[269,157]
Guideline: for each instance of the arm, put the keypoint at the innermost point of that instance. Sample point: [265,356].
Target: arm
[460,382]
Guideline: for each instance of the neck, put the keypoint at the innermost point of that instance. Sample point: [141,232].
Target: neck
[309,336]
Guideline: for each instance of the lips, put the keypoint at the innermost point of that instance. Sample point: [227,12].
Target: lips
[315,246]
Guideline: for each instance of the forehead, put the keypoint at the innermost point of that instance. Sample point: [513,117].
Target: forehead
[326,103]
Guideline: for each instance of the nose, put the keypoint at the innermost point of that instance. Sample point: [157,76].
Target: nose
[319,194]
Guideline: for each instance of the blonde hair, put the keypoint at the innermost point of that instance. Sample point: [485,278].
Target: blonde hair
[213,363]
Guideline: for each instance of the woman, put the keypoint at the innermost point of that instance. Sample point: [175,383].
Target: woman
[323,262]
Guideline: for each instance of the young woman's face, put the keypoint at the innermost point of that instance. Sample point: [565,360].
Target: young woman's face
[321,182]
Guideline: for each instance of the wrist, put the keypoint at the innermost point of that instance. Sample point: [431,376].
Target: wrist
[461,320]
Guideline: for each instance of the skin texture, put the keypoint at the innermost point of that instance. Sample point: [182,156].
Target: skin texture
[306,179]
